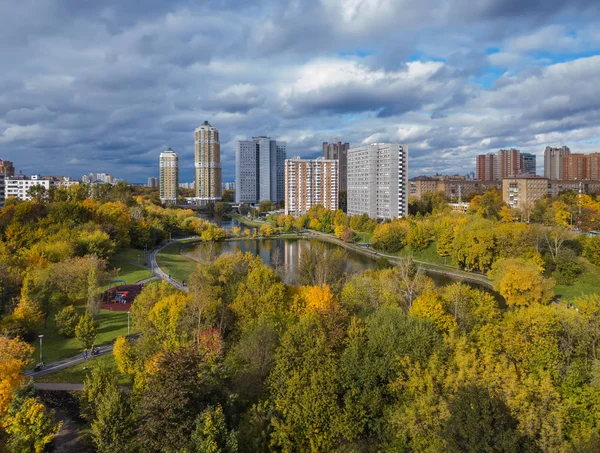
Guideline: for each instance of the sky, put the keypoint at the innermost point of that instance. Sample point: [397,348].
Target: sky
[105,86]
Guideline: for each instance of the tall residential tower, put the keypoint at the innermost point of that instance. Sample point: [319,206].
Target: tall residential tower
[553,161]
[310,182]
[338,151]
[378,180]
[259,170]
[169,176]
[207,153]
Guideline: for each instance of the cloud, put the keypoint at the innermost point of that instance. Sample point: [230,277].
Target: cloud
[106,86]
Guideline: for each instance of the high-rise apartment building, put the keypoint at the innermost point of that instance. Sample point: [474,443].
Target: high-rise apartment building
[528,163]
[7,169]
[509,163]
[259,170]
[169,176]
[378,180]
[593,166]
[153,182]
[553,161]
[486,167]
[207,152]
[574,166]
[310,182]
[338,151]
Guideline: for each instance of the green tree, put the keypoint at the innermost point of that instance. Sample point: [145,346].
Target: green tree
[66,321]
[180,387]
[86,331]
[592,250]
[113,428]
[481,422]
[211,434]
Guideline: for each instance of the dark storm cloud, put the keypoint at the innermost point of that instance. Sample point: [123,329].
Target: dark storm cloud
[105,86]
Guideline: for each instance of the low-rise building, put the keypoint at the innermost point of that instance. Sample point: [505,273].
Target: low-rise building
[454,187]
[522,191]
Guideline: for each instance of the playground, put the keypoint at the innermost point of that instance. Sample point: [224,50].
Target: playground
[119,296]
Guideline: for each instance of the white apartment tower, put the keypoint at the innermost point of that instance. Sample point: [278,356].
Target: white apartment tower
[378,180]
[207,154]
[310,182]
[259,170]
[553,162]
[169,176]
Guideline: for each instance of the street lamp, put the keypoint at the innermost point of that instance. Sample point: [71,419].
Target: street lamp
[128,313]
[41,336]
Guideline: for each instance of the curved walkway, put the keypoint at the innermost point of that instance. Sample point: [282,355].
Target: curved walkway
[66,363]
[158,272]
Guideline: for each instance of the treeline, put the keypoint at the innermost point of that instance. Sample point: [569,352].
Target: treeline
[54,253]
[381,361]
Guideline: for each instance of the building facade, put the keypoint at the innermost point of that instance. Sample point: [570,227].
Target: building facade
[575,166]
[310,182]
[338,151]
[521,192]
[378,180]
[7,169]
[259,170]
[452,187]
[19,188]
[486,167]
[169,176]
[528,163]
[509,163]
[153,182]
[553,162]
[207,155]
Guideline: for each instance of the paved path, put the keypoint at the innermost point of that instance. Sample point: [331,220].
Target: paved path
[66,363]
[68,387]
[158,272]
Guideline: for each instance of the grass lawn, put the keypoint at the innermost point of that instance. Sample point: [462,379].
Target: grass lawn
[246,221]
[429,254]
[172,261]
[587,283]
[129,272]
[77,373]
[131,255]
[111,324]
[362,237]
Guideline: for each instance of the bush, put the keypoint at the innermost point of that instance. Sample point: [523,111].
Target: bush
[66,321]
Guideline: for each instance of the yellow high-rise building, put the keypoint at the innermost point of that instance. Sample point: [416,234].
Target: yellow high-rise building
[169,176]
[208,163]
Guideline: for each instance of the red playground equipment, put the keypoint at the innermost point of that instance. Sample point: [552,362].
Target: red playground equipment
[120,297]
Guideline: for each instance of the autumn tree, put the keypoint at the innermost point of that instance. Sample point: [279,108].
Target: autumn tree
[211,434]
[520,282]
[86,331]
[66,321]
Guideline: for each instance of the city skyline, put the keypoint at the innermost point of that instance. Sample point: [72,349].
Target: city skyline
[110,85]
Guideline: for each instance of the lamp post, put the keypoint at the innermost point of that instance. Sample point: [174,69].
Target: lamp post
[128,313]
[41,336]
[138,259]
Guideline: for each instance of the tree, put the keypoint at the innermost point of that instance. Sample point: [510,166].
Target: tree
[481,422]
[29,426]
[86,331]
[389,237]
[124,356]
[592,250]
[520,282]
[475,245]
[321,264]
[66,321]
[222,208]
[179,387]
[265,206]
[15,355]
[418,236]
[113,428]
[211,434]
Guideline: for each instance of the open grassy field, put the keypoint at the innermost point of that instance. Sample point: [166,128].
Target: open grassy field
[111,324]
[587,283]
[130,272]
[248,222]
[172,261]
[77,373]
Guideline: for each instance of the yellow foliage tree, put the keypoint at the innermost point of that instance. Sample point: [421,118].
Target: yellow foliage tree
[520,282]
[317,298]
[15,355]
[124,356]
[167,318]
[430,305]
[31,428]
